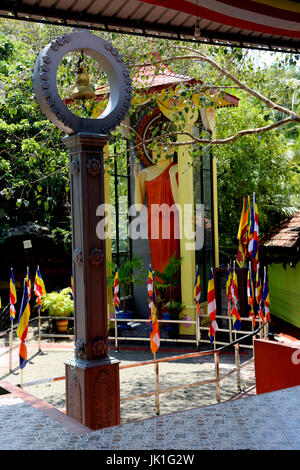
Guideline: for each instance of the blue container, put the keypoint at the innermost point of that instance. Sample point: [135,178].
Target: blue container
[167,316]
[127,315]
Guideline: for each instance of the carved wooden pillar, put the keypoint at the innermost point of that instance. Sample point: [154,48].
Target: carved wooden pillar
[92,377]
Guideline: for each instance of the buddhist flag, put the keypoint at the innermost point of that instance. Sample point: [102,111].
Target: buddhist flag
[266,296]
[250,294]
[39,286]
[28,282]
[249,222]
[228,289]
[12,296]
[254,230]
[150,290]
[23,326]
[116,291]
[72,282]
[243,233]
[234,295]
[154,334]
[197,291]
[211,306]
[258,295]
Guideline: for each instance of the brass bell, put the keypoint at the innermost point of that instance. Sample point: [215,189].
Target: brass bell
[82,89]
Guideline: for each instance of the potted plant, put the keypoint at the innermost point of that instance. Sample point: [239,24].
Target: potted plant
[167,283]
[59,304]
[132,271]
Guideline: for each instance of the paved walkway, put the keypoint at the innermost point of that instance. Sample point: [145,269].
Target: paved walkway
[32,418]
[135,381]
[270,421]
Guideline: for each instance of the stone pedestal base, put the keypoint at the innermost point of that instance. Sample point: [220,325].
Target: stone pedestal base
[93,392]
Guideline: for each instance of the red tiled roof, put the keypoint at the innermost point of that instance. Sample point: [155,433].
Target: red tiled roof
[153,79]
[152,76]
[284,235]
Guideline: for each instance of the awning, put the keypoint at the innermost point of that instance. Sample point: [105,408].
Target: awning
[264,24]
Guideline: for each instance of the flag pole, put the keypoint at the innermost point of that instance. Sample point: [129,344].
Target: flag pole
[115,312]
[21,375]
[11,344]
[39,329]
[234,329]
[11,328]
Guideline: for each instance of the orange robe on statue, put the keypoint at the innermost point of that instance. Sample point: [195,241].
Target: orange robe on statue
[159,192]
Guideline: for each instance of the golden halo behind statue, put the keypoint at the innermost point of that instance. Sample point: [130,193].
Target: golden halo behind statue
[145,130]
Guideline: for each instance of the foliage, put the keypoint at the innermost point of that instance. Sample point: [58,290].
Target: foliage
[34,162]
[170,276]
[169,280]
[257,163]
[63,237]
[58,304]
[132,271]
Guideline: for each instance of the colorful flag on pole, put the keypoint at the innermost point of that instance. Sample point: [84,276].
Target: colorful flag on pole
[250,294]
[72,282]
[240,258]
[39,286]
[23,326]
[197,291]
[243,233]
[12,296]
[228,289]
[258,295]
[211,306]
[254,230]
[266,296]
[154,334]
[249,221]
[234,296]
[28,282]
[150,290]
[116,291]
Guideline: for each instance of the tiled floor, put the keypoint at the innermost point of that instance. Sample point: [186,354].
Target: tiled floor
[269,421]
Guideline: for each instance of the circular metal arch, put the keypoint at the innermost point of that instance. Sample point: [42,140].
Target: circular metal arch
[45,87]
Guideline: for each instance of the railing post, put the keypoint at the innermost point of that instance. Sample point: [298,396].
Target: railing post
[238,366]
[116,333]
[217,369]
[39,330]
[11,345]
[261,333]
[157,410]
[230,329]
[197,329]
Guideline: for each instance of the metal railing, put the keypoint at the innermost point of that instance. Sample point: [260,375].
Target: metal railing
[236,344]
[200,327]
[39,336]
[199,323]
[218,377]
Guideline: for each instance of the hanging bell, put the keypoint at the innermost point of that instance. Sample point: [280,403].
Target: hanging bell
[82,89]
